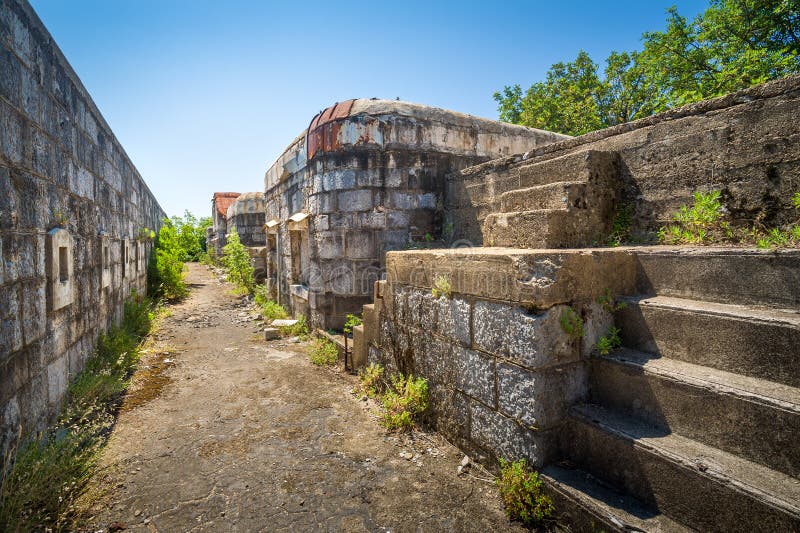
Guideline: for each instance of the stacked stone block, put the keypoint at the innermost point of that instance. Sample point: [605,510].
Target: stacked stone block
[66,188]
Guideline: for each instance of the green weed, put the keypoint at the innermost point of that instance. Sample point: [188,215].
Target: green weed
[406,399]
[571,323]
[621,226]
[351,322]
[441,287]
[299,329]
[608,303]
[45,478]
[371,381]
[324,353]
[609,342]
[523,493]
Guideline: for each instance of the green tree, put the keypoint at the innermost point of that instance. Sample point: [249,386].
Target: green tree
[236,260]
[165,270]
[732,45]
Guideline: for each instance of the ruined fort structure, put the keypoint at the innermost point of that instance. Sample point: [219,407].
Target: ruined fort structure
[75,221]
[368,176]
[216,235]
[246,217]
[693,423]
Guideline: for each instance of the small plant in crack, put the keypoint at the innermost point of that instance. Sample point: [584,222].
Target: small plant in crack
[609,303]
[371,381]
[442,287]
[571,323]
[609,342]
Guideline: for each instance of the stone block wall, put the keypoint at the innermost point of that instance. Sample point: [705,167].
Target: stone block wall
[746,144]
[371,179]
[71,208]
[501,369]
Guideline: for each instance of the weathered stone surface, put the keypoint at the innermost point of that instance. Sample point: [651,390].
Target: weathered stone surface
[475,375]
[507,439]
[453,319]
[63,172]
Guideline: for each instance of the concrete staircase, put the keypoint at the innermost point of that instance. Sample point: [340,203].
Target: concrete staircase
[693,425]
[563,202]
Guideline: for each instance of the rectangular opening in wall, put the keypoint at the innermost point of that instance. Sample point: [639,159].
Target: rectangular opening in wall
[105,257]
[299,250]
[124,253]
[63,264]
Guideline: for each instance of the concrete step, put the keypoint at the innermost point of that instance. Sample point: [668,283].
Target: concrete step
[690,482]
[557,195]
[588,505]
[540,229]
[761,343]
[729,275]
[590,165]
[750,417]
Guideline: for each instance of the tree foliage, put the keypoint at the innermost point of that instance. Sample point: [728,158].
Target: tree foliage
[732,45]
[165,270]
[236,260]
[191,235]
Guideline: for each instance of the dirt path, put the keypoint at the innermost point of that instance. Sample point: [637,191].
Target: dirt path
[223,431]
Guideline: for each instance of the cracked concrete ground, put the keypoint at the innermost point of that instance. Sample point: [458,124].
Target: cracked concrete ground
[222,431]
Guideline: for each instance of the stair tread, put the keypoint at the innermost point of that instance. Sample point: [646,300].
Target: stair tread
[779,489]
[543,187]
[760,390]
[623,510]
[539,212]
[789,317]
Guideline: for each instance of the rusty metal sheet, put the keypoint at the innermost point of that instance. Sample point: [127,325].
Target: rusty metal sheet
[318,136]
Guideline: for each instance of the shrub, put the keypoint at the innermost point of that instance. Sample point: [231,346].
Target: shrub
[324,353]
[441,287]
[404,401]
[351,322]
[165,270]
[237,262]
[523,493]
[270,309]
[571,323]
[796,200]
[371,382]
[609,342]
[299,329]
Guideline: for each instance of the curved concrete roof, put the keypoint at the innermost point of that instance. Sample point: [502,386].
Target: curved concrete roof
[249,202]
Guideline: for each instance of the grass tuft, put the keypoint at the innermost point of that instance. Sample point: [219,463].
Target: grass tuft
[523,493]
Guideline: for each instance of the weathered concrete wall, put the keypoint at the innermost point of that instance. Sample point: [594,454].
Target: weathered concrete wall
[501,370]
[71,207]
[246,214]
[371,175]
[217,234]
[745,144]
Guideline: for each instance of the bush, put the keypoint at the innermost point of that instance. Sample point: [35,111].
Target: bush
[270,309]
[300,329]
[165,270]
[324,353]
[237,262]
[43,481]
[371,382]
[523,493]
[404,401]
[351,322]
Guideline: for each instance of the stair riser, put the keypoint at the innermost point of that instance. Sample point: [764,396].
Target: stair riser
[770,279]
[761,433]
[580,166]
[554,197]
[680,491]
[759,349]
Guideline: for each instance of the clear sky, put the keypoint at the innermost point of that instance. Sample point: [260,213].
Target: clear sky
[205,94]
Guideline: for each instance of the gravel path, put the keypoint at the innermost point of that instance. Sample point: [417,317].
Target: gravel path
[223,431]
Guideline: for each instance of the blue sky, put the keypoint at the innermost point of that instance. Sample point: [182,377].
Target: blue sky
[204,95]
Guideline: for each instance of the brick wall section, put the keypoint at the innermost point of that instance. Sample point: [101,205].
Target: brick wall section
[60,164]
[501,370]
[746,144]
